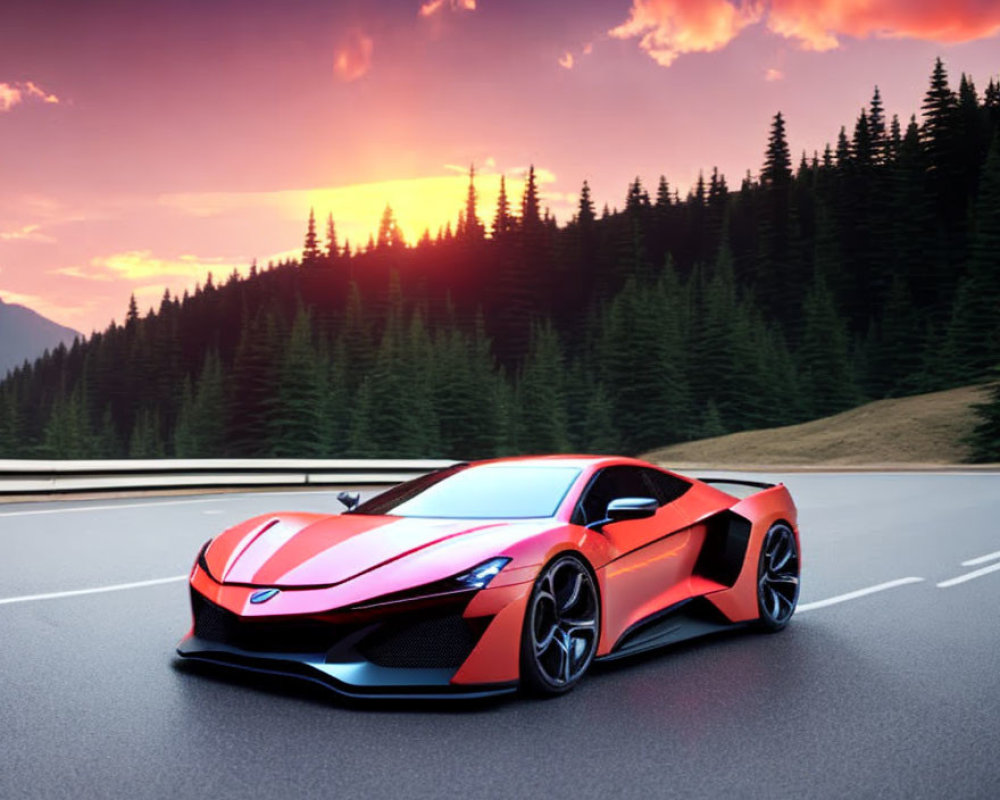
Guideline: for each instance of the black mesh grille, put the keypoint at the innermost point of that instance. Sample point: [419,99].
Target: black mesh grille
[444,641]
[216,624]
[410,640]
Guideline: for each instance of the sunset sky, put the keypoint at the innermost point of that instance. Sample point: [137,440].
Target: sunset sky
[143,144]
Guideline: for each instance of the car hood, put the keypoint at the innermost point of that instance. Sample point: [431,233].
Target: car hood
[311,550]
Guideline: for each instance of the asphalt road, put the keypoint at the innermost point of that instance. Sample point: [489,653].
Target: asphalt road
[895,693]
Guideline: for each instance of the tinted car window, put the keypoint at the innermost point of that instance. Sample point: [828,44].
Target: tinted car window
[611,484]
[489,491]
[667,488]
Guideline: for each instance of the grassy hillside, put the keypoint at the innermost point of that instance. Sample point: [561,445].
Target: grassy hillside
[924,429]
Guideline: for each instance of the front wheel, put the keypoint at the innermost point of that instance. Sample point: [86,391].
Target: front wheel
[777,578]
[561,627]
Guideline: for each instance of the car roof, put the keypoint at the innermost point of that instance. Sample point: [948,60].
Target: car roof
[559,460]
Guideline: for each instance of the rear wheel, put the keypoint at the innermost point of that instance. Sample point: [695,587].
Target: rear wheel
[561,627]
[777,578]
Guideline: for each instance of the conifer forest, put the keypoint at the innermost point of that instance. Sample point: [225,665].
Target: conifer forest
[818,281]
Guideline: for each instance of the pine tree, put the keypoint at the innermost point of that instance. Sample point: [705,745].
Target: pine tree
[356,337]
[10,423]
[294,423]
[146,440]
[335,415]
[585,209]
[863,145]
[389,233]
[898,356]
[418,370]
[310,250]
[828,378]
[184,444]
[975,326]
[68,433]
[844,156]
[541,395]
[894,141]
[599,430]
[777,169]
[776,279]
[663,200]
[876,127]
[991,105]
[502,221]
[132,317]
[641,351]
[472,229]
[530,217]
[359,437]
[332,250]
[939,107]
[252,387]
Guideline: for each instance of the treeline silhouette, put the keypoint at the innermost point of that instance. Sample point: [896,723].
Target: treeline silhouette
[869,270]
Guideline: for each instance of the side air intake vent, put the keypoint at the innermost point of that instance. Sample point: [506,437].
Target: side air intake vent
[725,548]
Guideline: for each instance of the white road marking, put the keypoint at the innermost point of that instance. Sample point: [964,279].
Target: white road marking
[98,590]
[969,576]
[843,598]
[981,559]
[105,508]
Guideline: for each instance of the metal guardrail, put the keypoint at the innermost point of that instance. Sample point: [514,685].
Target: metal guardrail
[32,477]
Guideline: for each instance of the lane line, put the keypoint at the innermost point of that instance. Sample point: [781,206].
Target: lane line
[843,598]
[98,590]
[105,508]
[969,576]
[981,559]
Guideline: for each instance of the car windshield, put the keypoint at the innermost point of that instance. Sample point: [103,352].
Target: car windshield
[489,491]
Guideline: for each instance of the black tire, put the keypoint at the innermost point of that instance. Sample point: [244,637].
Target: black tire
[562,626]
[777,578]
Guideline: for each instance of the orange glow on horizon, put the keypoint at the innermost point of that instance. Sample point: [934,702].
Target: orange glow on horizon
[418,204]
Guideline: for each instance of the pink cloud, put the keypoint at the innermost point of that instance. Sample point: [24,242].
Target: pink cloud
[28,233]
[566,60]
[817,24]
[34,90]
[354,56]
[773,75]
[669,28]
[432,7]
[13,93]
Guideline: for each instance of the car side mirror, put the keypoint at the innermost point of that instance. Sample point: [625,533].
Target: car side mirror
[631,508]
[349,499]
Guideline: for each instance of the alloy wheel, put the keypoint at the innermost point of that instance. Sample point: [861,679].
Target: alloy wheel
[778,577]
[563,623]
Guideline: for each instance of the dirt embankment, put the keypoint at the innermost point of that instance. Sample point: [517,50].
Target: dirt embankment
[923,430]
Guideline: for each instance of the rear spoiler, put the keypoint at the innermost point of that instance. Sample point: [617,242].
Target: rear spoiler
[755,484]
[737,488]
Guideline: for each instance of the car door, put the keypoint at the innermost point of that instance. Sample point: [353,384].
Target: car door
[652,558]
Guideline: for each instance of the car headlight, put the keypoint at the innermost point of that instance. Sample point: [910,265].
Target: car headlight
[471,581]
[479,577]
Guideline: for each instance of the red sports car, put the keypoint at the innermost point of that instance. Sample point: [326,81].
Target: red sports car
[483,577]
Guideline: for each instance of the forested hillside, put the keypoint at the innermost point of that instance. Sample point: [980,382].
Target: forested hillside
[868,270]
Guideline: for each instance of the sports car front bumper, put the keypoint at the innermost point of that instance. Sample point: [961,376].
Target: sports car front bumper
[404,655]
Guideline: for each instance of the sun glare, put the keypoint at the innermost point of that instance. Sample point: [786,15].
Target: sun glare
[418,204]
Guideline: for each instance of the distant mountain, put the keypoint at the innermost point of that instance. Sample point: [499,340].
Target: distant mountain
[26,334]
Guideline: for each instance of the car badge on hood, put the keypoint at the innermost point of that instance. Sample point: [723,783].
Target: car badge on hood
[263,595]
